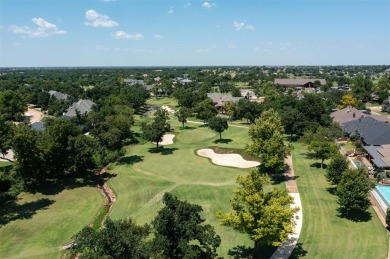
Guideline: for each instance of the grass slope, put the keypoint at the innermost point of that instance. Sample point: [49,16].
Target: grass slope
[144,175]
[38,224]
[324,233]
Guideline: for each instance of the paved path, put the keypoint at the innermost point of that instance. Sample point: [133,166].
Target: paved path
[35,115]
[284,251]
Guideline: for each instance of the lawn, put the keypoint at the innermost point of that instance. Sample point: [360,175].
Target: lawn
[36,225]
[324,233]
[160,101]
[144,175]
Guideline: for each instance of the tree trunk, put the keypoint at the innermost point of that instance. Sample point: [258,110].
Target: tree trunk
[256,250]
[322,163]
[220,135]
[157,144]
[183,124]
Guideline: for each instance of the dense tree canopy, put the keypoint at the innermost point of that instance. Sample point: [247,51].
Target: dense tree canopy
[336,168]
[265,216]
[180,232]
[12,105]
[218,124]
[155,130]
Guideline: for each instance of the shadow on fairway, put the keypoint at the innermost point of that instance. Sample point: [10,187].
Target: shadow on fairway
[248,252]
[53,187]
[13,211]
[332,190]
[298,251]
[318,165]
[162,150]
[356,216]
[130,160]
[223,141]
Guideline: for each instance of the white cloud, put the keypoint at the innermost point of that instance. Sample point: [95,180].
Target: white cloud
[44,29]
[121,35]
[157,36]
[187,5]
[170,11]
[207,5]
[238,26]
[96,19]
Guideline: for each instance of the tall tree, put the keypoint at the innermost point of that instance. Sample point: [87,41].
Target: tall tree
[352,191]
[362,87]
[182,114]
[322,150]
[118,239]
[265,216]
[205,110]
[12,105]
[155,130]
[180,232]
[218,124]
[267,141]
[336,168]
[347,100]
[6,135]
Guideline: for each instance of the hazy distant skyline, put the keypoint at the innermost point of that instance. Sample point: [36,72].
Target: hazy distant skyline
[197,33]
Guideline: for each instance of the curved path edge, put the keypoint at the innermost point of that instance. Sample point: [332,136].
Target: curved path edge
[285,250]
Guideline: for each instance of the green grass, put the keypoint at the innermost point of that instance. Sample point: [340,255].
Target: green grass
[160,101]
[38,224]
[144,175]
[324,233]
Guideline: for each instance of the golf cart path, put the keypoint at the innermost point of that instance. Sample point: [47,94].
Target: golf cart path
[284,251]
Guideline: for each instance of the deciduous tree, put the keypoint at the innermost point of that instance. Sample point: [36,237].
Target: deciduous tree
[155,130]
[182,114]
[336,168]
[218,124]
[265,216]
[180,232]
[12,105]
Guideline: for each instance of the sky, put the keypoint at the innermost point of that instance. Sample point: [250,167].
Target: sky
[42,33]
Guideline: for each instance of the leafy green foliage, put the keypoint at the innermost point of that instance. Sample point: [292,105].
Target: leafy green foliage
[265,216]
[155,130]
[118,239]
[336,168]
[6,134]
[352,191]
[218,124]
[205,110]
[267,141]
[182,114]
[322,150]
[180,232]
[362,87]
[12,105]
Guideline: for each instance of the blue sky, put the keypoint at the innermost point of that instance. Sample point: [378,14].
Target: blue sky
[180,33]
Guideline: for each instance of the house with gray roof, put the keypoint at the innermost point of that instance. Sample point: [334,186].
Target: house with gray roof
[130,81]
[82,106]
[371,131]
[379,155]
[58,95]
[220,99]
[309,82]
[350,113]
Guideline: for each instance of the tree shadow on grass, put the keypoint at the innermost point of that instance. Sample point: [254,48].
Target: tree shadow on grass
[162,150]
[53,187]
[356,216]
[318,165]
[241,251]
[13,211]
[332,190]
[130,160]
[223,141]
[298,252]
[188,128]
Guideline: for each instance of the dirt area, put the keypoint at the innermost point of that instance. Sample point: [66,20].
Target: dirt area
[36,115]
[233,160]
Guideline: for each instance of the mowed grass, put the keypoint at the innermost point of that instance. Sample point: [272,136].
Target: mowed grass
[38,224]
[324,233]
[144,175]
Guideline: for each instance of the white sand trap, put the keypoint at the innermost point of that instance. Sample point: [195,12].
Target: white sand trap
[233,160]
[167,108]
[167,139]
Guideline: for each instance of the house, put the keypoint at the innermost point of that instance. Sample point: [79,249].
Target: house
[219,99]
[185,81]
[350,113]
[58,95]
[247,94]
[134,81]
[372,131]
[82,106]
[379,155]
[309,82]
[39,125]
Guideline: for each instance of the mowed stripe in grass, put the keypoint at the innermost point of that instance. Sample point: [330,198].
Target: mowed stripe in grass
[43,226]
[324,233]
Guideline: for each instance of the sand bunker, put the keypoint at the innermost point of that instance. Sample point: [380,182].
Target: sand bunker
[167,139]
[233,160]
[167,108]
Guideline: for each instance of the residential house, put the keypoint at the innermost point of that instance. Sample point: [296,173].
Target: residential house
[58,95]
[351,113]
[379,155]
[130,81]
[39,125]
[220,99]
[82,106]
[371,131]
